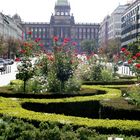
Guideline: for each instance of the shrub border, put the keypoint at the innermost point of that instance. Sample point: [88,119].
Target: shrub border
[12,107]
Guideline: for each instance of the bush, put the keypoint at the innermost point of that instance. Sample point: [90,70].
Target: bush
[106,75]
[72,85]
[133,92]
[11,129]
[96,72]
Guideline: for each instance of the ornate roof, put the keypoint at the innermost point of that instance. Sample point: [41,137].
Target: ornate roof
[62,2]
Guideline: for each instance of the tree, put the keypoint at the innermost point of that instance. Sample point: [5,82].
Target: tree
[89,46]
[3,48]
[113,47]
[12,45]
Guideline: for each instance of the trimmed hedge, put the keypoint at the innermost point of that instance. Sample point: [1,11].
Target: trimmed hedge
[119,108]
[11,128]
[89,109]
[109,82]
[12,107]
[83,92]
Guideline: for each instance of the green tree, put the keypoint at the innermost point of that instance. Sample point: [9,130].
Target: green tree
[12,47]
[3,48]
[89,46]
[113,47]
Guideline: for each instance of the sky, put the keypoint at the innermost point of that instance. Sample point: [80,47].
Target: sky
[84,11]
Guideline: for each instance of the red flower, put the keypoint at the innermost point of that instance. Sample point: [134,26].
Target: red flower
[134,57]
[138,54]
[41,45]
[137,66]
[25,44]
[74,43]
[129,61]
[17,59]
[55,38]
[127,53]
[30,33]
[66,40]
[23,51]
[37,39]
[123,49]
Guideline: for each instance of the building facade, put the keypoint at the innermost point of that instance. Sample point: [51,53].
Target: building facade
[9,27]
[130,24]
[62,24]
[114,27]
[103,32]
[110,28]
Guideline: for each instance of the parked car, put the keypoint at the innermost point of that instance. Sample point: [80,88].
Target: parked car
[9,61]
[125,64]
[2,65]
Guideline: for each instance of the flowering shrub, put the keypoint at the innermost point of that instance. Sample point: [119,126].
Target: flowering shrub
[59,66]
[133,61]
[26,69]
[94,68]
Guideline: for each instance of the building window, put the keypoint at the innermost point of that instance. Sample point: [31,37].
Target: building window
[58,13]
[88,30]
[62,13]
[92,30]
[84,30]
[80,29]
[40,29]
[80,36]
[35,29]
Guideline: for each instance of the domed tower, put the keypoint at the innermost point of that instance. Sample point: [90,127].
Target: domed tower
[61,22]
[62,8]
[17,18]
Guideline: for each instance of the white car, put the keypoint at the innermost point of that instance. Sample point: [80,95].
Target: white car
[2,65]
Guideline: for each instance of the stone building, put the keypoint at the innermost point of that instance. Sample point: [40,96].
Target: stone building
[9,27]
[131,24]
[103,32]
[62,24]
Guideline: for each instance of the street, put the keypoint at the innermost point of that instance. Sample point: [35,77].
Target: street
[6,77]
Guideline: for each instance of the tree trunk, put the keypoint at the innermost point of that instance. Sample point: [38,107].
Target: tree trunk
[24,87]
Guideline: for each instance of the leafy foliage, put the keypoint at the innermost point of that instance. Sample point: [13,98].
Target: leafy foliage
[17,129]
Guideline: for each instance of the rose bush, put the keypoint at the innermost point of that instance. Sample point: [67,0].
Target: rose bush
[133,61]
[27,50]
[59,66]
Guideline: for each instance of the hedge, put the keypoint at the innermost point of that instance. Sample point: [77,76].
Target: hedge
[119,82]
[11,128]
[119,108]
[12,107]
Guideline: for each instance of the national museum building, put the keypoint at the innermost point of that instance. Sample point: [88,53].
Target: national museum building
[62,24]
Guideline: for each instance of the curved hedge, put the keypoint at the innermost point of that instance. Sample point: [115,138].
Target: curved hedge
[12,107]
